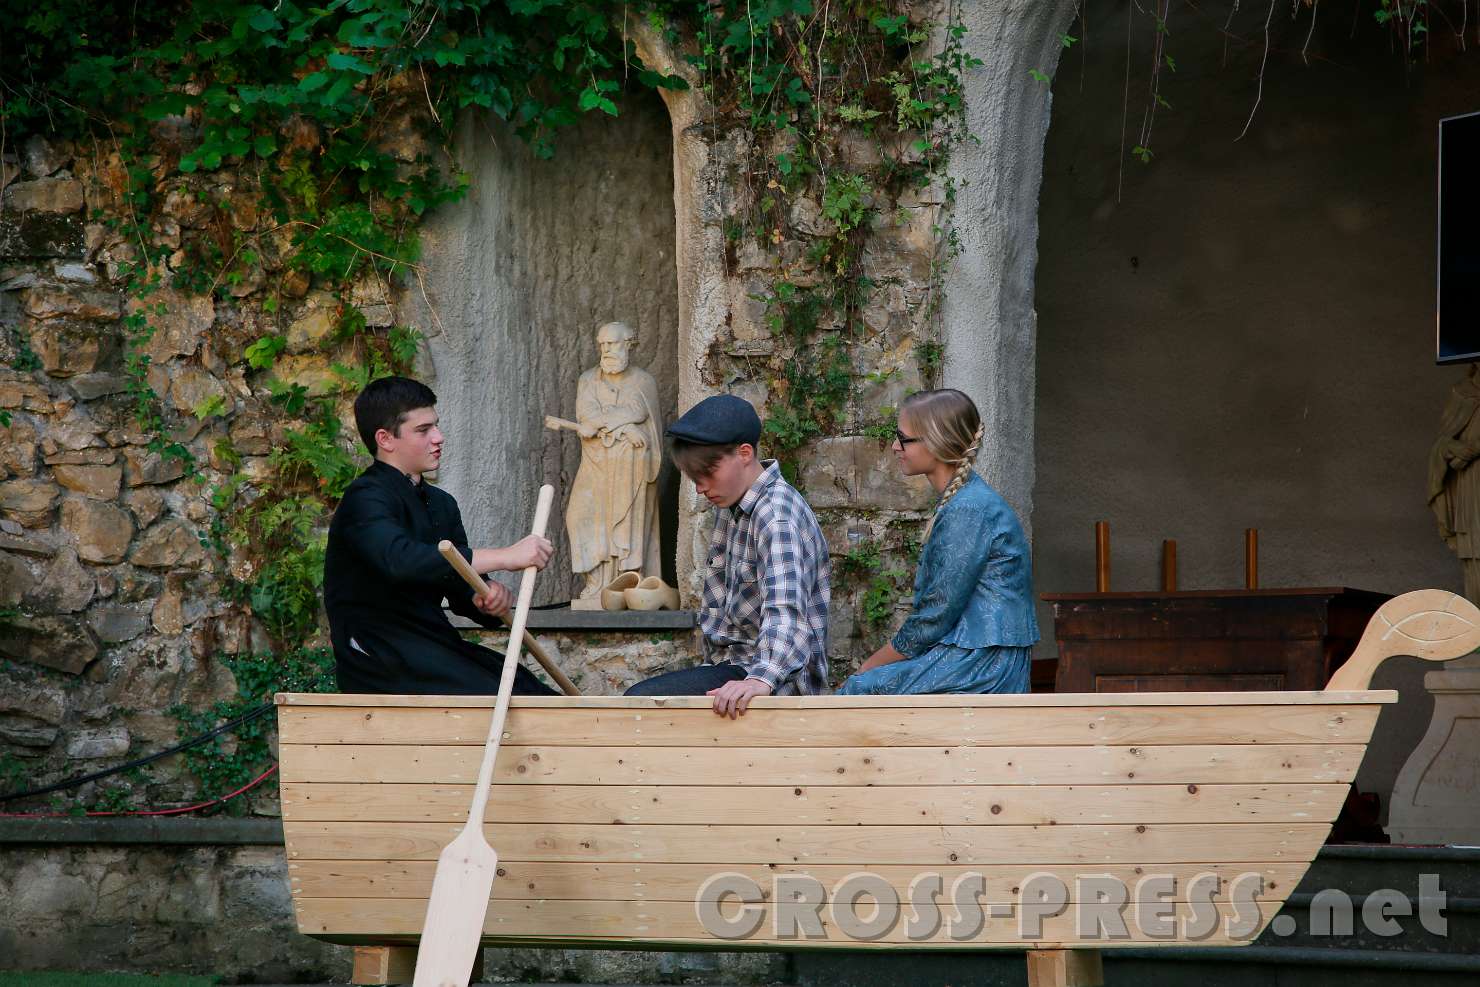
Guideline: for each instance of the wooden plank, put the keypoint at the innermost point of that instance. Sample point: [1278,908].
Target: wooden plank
[1065,968]
[682,882]
[376,965]
[861,845]
[851,766]
[1309,697]
[661,921]
[985,805]
[905,727]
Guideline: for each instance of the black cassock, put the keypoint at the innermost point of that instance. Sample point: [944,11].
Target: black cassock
[384,582]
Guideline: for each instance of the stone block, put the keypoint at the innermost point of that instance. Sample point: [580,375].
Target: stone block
[192,387]
[65,587]
[74,432]
[133,585]
[48,195]
[99,456]
[311,370]
[87,304]
[68,347]
[187,207]
[74,271]
[194,895]
[860,472]
[44,889]
[144,467]
[98,482]
[88,745]
[11,542]
[29,502]
[171,544]
[146,503]
[62,643]
[249,435]
[33,235]
[90,387]
[20,730]
[100,529]
[179,328]
[15,391]
[18,448]
[310,332]
[16,579]
[43,157]
[116,624]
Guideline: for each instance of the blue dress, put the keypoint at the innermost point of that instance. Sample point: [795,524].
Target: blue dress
[972,628]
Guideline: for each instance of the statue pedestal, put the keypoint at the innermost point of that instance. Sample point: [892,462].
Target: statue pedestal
[1436,798]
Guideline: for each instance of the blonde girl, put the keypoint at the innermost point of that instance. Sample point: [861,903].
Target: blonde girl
[972,626]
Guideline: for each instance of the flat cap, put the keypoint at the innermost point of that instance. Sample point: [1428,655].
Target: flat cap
[718,421]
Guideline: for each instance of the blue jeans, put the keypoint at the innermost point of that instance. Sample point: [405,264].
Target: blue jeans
[688,681]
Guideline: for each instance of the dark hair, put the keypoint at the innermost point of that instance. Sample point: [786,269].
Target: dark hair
[385,403]
[695,459]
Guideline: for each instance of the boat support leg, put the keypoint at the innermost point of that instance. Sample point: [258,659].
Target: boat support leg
[1065,968]
[376,966]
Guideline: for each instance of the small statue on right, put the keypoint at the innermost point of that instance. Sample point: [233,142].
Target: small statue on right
[1454,478]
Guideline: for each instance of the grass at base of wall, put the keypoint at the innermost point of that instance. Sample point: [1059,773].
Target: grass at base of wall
[53,979]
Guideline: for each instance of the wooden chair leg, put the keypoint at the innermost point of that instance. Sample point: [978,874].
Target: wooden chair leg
[376,966]
[1065,968]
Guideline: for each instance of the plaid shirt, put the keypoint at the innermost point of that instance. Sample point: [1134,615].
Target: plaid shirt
[766,590]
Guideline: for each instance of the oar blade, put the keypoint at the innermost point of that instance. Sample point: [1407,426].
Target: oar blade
[455,911]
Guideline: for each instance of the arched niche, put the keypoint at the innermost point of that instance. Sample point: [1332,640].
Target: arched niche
[518,276]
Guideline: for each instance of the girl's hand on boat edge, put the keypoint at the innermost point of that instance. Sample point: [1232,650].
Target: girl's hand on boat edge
[733,698]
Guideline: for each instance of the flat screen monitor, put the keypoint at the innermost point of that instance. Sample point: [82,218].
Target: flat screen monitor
[1459,239]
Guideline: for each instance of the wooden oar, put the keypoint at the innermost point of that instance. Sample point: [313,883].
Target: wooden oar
[471,577]
[467,865]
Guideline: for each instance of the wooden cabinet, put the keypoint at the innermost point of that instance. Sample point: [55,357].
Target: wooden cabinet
[1206,641]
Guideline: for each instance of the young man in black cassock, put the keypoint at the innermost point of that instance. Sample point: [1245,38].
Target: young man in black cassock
[384,580]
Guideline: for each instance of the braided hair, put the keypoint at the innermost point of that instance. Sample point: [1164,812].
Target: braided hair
[952,429]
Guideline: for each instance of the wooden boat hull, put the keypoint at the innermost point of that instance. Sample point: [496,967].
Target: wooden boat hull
[611,816]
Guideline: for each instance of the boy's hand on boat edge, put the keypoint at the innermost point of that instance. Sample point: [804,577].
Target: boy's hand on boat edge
[733,698]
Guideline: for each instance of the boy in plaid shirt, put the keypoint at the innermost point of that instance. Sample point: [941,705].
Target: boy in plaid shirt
[766,589]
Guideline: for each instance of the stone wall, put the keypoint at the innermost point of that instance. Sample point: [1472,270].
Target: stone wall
[221,910]
[111,609]
[76,895]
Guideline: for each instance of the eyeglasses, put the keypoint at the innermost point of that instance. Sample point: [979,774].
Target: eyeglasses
[903,439]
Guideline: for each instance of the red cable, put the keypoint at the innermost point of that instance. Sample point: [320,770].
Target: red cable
[150,812]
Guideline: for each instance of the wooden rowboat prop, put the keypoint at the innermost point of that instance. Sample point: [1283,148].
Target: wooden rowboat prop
[817,821]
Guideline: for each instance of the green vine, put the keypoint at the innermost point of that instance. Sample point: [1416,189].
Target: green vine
[226,763]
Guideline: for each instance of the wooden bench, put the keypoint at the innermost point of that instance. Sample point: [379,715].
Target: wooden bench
[612,815]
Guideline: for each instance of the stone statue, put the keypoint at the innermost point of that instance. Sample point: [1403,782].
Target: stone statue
[612,517]
[1454,478]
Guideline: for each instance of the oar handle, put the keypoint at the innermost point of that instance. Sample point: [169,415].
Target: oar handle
[511,661]
[464,569]
[470,576]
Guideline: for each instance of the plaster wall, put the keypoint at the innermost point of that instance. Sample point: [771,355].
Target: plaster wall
[1240,333]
